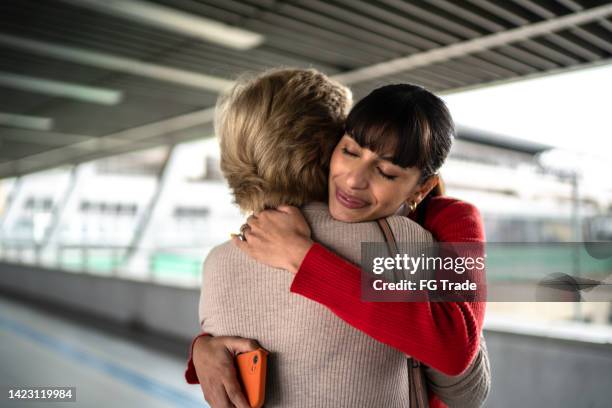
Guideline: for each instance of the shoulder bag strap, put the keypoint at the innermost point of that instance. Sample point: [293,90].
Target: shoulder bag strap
[416,379]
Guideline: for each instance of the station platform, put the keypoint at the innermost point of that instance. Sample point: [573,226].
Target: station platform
[40,348]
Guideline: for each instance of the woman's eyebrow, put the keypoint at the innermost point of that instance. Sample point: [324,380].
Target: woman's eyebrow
[353,144]
[387,158]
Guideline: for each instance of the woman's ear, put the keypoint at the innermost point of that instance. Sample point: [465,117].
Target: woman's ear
[424,188]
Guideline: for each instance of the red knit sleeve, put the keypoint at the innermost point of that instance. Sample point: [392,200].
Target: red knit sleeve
[453,220]
[443,335]
[190,372]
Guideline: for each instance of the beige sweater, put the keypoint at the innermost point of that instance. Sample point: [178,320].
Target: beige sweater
[316,360]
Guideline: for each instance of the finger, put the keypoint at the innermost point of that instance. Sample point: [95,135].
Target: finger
[252,221]
[234,391]
[222,401]
[217,397]
[266,213]
[241,345]
[242,245]
[288,209]
[247,234]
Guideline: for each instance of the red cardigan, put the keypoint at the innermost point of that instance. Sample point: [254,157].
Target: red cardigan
[442,335]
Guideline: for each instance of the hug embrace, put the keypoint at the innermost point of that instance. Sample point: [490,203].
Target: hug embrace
[315,178]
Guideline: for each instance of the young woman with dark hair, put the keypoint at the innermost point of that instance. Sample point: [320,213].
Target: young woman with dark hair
[386,163]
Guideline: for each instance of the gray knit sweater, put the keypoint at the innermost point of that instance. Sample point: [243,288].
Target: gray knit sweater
[318,360]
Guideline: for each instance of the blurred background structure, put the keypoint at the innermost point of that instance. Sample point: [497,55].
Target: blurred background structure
[111,194]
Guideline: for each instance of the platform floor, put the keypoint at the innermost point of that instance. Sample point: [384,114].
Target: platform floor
[42,349]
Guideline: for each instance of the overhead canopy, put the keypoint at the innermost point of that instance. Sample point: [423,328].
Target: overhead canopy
[82,79]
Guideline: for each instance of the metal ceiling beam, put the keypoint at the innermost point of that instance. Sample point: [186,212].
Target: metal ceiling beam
[461,32]
[481,64]
[510,63]
[474,46]
[425,31]
[443,81]
[114,63]
[344,28]
[591,39]
[174,20]
[535,53]
[527,57]
[577,31]
[550,53]
[465,77]
[320,50]
[521,20]
[424,36]
[434,19]
[62,89]
[575,7]
[343,15]
[286,28]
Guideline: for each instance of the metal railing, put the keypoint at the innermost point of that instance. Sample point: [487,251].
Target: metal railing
[168,265]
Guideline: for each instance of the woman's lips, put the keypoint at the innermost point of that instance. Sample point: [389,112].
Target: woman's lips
[348,201]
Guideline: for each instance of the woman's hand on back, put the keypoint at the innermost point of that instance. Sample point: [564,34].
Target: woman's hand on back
[213,358]
[279,238]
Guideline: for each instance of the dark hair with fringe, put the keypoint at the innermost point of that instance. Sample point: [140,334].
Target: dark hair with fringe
[407,120]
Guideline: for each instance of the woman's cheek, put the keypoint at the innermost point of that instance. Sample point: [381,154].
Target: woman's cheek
[389,196]
[333,169]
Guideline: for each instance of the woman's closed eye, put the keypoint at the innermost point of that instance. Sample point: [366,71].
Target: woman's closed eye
[385,175]
[347,152]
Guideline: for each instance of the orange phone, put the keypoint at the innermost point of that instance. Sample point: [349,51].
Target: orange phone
[252,367]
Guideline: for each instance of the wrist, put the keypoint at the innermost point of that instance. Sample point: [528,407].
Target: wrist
[200,342]
[298,254]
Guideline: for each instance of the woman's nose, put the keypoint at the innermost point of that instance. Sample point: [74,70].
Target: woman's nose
[357,178]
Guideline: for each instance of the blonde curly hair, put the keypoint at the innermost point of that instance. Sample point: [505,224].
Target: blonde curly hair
[277,131]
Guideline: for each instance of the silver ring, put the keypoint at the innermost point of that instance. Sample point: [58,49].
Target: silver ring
[241,237]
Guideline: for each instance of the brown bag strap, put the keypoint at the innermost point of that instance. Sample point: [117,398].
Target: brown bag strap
[416,379]
[418,394]
[389,237]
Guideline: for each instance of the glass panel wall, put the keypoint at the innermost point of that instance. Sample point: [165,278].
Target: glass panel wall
[154,215]
[193,213]
[29,213]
